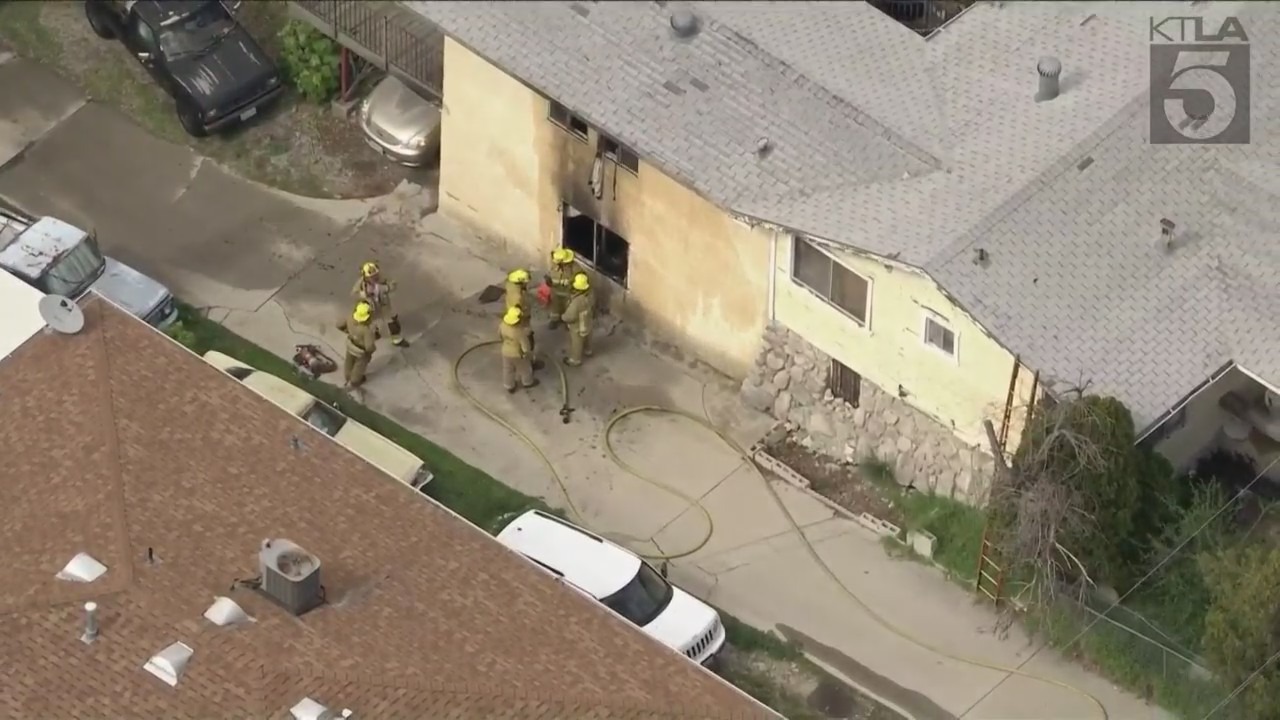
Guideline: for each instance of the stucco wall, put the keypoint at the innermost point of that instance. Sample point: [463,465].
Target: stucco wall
[696,275]
[889,351]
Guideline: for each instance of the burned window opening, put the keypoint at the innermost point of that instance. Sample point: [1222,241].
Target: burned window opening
[596,245]
[624,156]
[574,125]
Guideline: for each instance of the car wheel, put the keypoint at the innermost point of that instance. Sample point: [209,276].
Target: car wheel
[190,120]
[97,22]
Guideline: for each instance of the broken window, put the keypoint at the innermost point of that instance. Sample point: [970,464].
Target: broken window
[619,153]
[561,116]
[598,246]
[844,383]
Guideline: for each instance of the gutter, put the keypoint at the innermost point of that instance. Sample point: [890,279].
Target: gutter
[1216,376]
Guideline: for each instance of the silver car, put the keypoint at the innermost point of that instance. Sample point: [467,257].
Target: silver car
[400,124]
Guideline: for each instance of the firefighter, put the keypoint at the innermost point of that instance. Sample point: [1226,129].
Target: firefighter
[374,289]
[564,267]
[517,350]
[577,318]
[361,343]
[517,287]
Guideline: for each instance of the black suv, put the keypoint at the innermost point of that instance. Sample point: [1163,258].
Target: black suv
[214,70]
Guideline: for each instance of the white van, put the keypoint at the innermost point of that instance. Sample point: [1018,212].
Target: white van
[621,580]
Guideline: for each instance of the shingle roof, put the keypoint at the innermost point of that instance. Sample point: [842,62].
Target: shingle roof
[117,440]
[922,150]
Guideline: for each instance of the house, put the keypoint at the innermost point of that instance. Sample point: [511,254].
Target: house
[929,233]
[144,481]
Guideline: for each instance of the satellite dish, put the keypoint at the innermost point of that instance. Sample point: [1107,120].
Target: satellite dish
[61,314]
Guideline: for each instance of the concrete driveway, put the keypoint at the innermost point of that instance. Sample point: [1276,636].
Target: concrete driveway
[278,269]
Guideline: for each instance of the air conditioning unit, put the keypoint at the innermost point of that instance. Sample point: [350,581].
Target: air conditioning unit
[290,576]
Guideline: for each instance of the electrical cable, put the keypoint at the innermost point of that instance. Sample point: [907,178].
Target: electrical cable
[611,426]
[1241,687]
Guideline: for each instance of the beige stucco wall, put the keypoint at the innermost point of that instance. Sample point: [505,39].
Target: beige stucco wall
[696,276]
[959,392]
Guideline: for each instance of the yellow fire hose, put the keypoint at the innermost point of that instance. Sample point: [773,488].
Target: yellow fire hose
[706,423]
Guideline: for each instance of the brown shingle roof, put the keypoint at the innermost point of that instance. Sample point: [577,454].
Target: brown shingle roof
[117,440]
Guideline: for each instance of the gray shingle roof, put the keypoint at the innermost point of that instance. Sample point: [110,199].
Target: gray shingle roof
[922,150]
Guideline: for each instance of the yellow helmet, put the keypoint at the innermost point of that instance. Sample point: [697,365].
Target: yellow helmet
[513,315]
[519,276]
[362,312]
[369,269]
[562,256]
[581,282]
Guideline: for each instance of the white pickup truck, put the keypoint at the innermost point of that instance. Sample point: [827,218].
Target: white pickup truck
[57,258]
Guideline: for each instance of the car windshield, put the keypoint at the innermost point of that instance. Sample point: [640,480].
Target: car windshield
[324,418]
[72,273]
[642,599]
[196,31]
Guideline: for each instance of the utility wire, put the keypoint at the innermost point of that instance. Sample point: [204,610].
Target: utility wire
[1241,687]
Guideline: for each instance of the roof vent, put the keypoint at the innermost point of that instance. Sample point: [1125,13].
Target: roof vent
[1049,68]
[61,314]
[308,709]
[1166,233]
[224,611]
[82,568]
[90,623]
[290,576]
[684,23]
[169,663]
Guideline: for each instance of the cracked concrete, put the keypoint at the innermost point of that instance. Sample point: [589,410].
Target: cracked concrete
[277,270]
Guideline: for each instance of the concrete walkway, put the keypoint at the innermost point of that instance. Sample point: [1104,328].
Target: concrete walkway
[277,271]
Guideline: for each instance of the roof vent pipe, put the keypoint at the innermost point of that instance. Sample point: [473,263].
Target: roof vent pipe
[684,23]
[1049,68]
[90,623]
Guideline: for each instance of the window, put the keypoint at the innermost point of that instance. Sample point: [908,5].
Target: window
[561,116]
[598,246]
[195,32]
[830,280]
[642,599]
[844,383]
[324,418]
[144,38]
[75,271]
[939,336]
[619,153]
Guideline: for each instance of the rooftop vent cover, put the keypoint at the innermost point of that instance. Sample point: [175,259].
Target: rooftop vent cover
[308,709]
[224,611]
[169,663]
[684,23]
[290,576]
[82,568]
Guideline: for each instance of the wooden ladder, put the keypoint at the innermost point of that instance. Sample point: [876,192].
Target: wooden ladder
[989,580]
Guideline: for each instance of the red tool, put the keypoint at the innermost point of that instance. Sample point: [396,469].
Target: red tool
[544,294]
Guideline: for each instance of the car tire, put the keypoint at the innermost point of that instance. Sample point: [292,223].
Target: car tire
[100,27]
[190,121]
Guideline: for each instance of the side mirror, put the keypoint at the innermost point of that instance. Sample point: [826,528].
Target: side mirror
[144,57]
[664,568]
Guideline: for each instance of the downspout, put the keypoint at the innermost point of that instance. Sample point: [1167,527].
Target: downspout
[773,273]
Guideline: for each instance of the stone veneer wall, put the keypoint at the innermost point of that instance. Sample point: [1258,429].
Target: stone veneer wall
[789,380]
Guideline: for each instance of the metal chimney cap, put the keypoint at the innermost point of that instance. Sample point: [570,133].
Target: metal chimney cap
[684,23]
[1049,66]
[90,606]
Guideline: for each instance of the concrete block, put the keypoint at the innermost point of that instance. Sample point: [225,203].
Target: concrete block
[922,542]
[878,526]
[779,468]
[345,108]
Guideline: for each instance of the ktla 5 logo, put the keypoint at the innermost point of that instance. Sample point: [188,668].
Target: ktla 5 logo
[1199,82]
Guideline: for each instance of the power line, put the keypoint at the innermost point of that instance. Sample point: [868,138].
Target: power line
[1241,687]
[1170,556]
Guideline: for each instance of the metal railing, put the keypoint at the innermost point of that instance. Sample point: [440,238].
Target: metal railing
[386,34]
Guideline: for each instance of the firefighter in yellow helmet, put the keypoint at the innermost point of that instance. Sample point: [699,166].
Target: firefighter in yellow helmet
[375,289]
[517,350]
[564,266]
[361,343]
[577,318]
[517,289]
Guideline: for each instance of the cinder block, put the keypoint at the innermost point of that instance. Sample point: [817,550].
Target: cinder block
[922,542]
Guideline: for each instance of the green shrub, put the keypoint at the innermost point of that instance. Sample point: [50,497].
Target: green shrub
[1242,629]
[181,333]
[310,59]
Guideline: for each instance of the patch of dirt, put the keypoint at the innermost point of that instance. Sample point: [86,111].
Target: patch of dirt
[798,689]
[840,483]
[297,146]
